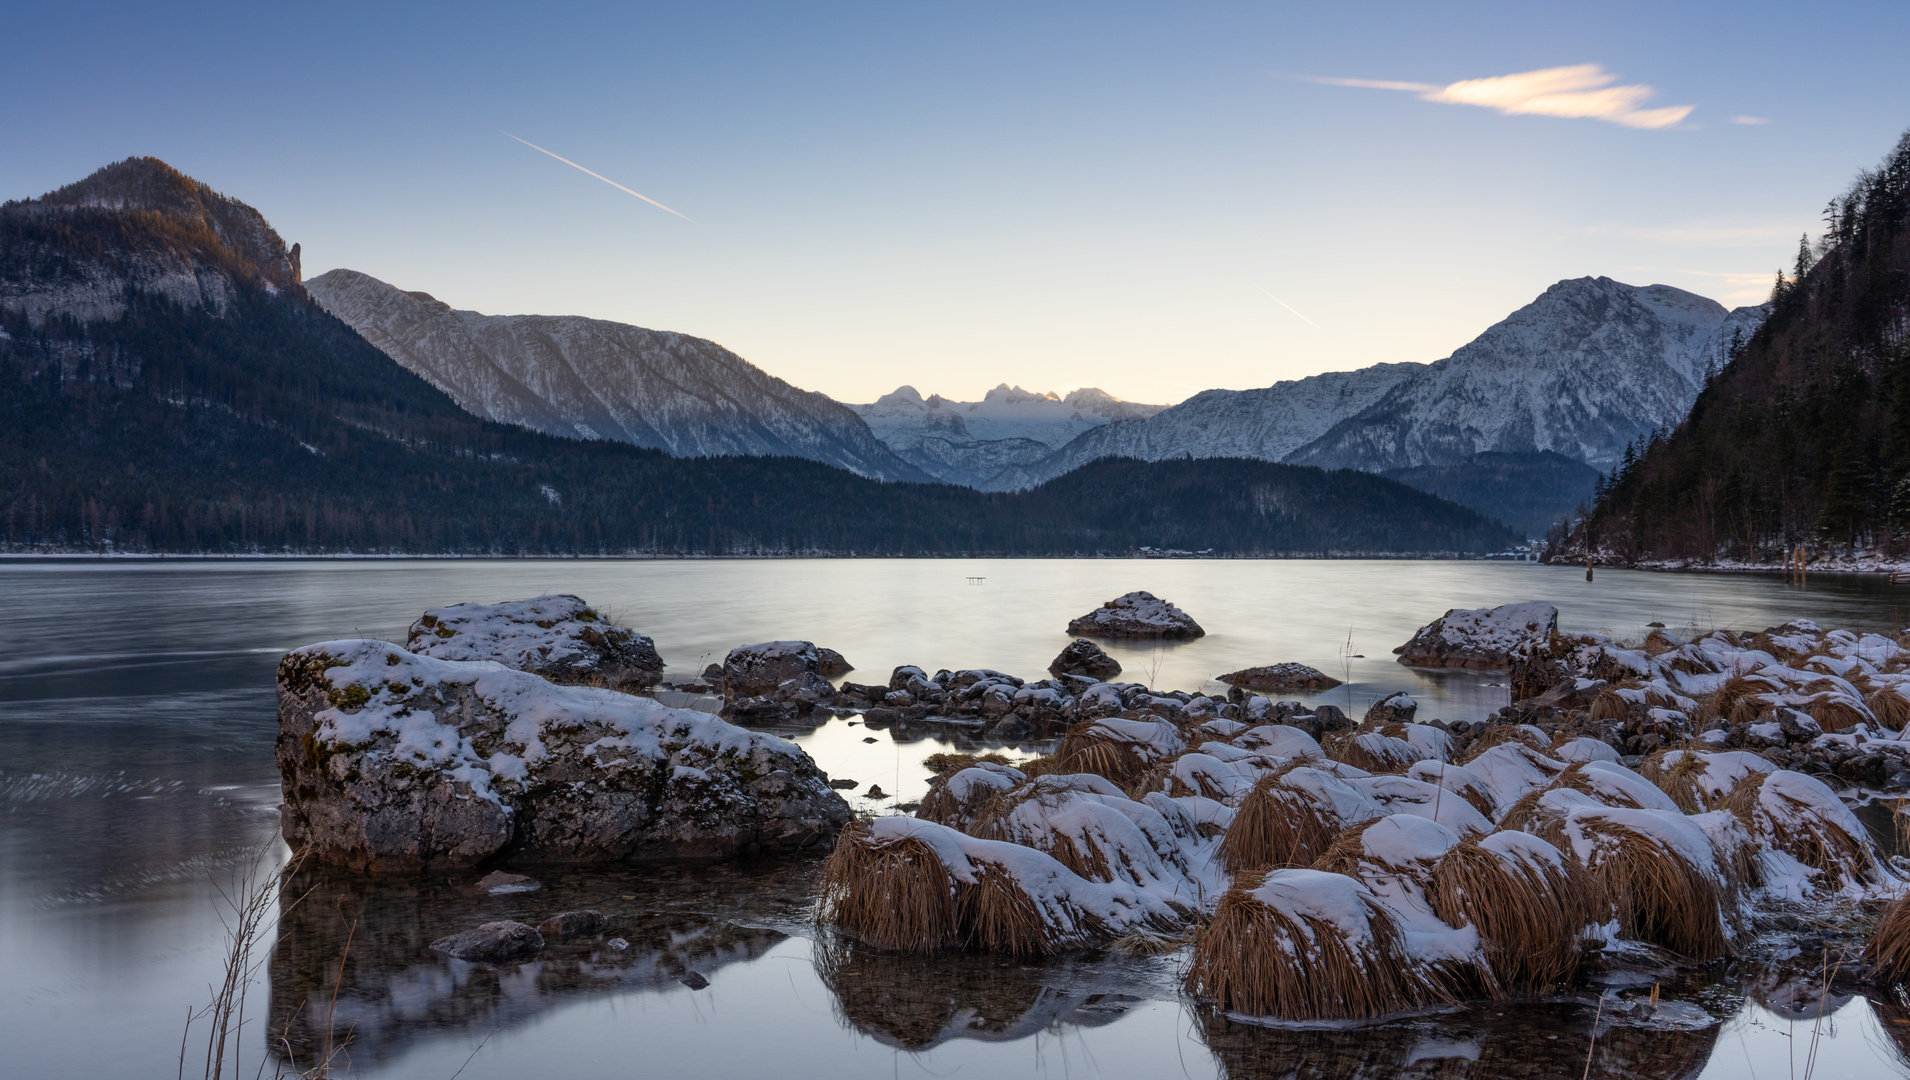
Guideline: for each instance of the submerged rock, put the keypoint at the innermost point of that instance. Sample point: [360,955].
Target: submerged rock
[1288,676]
[1137,615]
[492,943]
[396,762]
[1479,638]
[558,637]
[499,883]
[1084,659]
[571,924]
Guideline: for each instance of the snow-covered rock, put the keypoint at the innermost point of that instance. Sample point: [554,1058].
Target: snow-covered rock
[1479,638]
[1084,659]
[1287,676]
[559,637]
[395,762]
[1137,615]
[972,442]
[774,677]
[595,379]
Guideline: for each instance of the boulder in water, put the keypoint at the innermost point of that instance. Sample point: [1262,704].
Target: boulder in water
[775,680]
[1137,615]
[1288,676]
[1397,708]
[559,637]
[571,924]
[397,762]
[1479,638]
[1084,659]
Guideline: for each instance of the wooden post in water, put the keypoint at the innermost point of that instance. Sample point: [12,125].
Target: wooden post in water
[1588,562]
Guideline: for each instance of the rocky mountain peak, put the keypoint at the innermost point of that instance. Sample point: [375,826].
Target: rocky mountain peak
[147,185]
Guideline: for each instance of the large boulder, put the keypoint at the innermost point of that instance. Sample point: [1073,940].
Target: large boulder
[1137,615]
[559,637]
[1480,639]
[775,679]
[1289,676]
[1084,659]
[397,762]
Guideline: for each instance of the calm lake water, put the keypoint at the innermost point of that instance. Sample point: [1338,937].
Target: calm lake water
[136,770]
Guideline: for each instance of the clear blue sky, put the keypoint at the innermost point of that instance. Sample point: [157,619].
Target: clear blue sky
[956,196]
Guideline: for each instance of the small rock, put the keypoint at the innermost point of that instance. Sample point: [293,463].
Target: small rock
[844,785]
[693,980]
[868,738]
[875,792]
[1084,659]
[1137,615]
[1393,709]
[558,637]
[1288,676]
[498,883]
[493,943]
[571,924]
[831,663]
[714,672]
[618,944]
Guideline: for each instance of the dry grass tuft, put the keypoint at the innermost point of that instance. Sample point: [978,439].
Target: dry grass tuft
[1260,961]
[1803,834]
[948,763]
[1888,951]
[958,806]
[1678,780]
[1084,749]
[1835,712]
[1892,709]
[1657,643]
[1370,749]
[1657,895]
[1530,918]
[1000,917]
[1609,706]
[1277,826]
[1504,733]
[894,895]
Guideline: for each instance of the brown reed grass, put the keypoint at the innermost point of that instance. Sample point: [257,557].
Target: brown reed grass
[1891,708]
[1087,750]
[1256,960]
[1608,705]
[894,895]
[1530,918]
[1834,712]
[1679,779]
[1657,895]
[1496,734]
[1277,826]
[1803,835]
[1888,950]
[1370,749]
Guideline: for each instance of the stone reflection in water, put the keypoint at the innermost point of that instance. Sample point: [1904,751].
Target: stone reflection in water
[915,1003]
[1506,1042]
[366,940]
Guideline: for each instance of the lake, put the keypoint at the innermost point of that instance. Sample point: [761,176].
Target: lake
[136,773]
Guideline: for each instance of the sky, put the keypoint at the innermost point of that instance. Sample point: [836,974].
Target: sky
[1153,199]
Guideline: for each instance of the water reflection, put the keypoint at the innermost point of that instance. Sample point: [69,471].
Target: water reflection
[353,958]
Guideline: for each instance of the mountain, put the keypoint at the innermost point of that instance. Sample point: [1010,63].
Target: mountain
[166,385]
[1582,371]
[971,442]
[1269,423]
[1803,437]
[595,379]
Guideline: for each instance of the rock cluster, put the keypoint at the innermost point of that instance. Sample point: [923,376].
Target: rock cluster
[559,637]
[393,761]
[1288,676]
[1137,615]
[1480,639]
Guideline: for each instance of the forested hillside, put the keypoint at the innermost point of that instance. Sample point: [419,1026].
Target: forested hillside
[166,385]
[1804,436]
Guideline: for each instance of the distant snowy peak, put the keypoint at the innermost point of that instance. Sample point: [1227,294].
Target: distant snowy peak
[969,442]
[1583,370]
[595,379]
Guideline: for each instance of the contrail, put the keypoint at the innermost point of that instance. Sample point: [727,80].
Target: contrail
[599,176]
[1289,307]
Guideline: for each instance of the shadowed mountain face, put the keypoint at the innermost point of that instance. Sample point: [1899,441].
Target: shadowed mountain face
[595,379]
[166,385]
[1530,492]
[1805,436]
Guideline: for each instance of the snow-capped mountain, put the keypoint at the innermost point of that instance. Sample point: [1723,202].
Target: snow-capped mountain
[971,442]
[1584,369]
[594,379]
[1269,423]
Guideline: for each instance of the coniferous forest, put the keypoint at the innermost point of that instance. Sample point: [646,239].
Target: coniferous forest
[1804,436]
